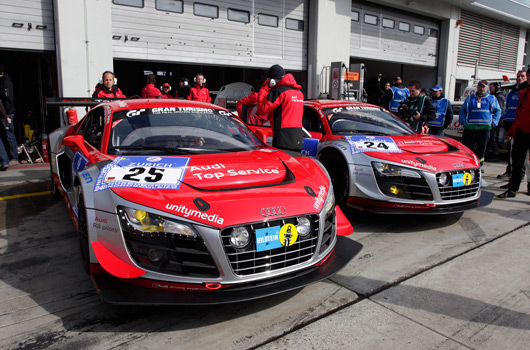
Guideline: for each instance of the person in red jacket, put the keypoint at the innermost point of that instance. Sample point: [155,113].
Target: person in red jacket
[282,99]
[166,88]
[150,90]
[107,87]
[520,132]
[252,116]
[199,91]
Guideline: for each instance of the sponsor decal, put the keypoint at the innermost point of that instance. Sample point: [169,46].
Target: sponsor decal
[276,237]
[320,198]
[134,112]
[227,172]
[420,142]
[460,180]
[186,212]
[361,144]
[339,146]
[87,178]
[100,224]
[79,162]
[421,160]
[273,211]
[418,164]
[143,172]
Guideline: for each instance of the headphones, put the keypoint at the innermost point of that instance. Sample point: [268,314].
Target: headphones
[272,83]
[106,72]
[195,79]
[162,88]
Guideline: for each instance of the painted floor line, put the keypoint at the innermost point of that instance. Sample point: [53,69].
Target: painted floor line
[34,194]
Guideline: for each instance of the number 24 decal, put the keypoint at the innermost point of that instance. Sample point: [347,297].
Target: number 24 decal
[137,172]
[370,144]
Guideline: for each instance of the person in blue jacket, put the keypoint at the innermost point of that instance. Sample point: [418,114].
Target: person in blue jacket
[479,113]
[444,112]
[399,93]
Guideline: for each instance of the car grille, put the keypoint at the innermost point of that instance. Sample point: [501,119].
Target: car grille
[449,192]
[179,255]
[405,187]
[248,261]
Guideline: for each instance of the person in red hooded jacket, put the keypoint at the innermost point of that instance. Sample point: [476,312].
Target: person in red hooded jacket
[282,99]
[199,91]
[252,117]
[150,90]
[107,87]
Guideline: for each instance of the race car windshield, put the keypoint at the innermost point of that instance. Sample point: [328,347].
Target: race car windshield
[179,131]
[365,121]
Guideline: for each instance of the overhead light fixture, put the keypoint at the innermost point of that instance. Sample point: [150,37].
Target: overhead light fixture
[134,38]
[17,25]
[41,26]
[116,37]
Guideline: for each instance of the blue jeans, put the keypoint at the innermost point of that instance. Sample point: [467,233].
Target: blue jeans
[4,158]
[9,139]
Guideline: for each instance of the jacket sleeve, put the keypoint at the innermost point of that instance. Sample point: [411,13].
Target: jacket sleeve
[428,112]
[3,113]
[463,112]
[495,112]
[448,115]
[96,93]
[120,94]
[264,105]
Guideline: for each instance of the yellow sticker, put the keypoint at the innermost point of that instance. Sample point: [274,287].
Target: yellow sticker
[288,235]
[467,179]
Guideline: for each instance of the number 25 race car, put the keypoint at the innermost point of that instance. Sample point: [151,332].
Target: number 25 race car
[178,202]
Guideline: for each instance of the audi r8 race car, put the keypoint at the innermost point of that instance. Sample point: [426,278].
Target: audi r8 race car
[378,163]
[178,202]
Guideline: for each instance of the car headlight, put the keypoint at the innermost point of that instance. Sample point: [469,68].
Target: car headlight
[443,179]
[389,170]
[239,237]
[152,225]
[329,205]
[304,226]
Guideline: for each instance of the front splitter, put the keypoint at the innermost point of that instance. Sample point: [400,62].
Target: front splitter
[114,291]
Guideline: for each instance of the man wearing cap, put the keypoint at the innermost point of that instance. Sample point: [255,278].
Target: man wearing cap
[399,94]
[282,99]
[479,113]
[444,112]
[166,88]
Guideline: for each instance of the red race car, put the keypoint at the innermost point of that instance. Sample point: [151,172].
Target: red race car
[378,163]
[178,202]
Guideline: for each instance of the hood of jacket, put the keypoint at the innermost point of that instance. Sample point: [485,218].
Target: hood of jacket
[288,80]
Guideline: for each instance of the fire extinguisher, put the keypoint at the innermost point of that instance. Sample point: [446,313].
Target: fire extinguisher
[44,145]
[72,116]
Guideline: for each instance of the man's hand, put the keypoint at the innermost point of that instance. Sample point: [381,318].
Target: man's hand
[417,115]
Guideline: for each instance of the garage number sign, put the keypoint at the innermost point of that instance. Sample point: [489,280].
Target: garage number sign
[142,172]
[361,144]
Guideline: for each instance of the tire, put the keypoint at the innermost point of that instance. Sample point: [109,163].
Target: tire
[83,235]
[338,172]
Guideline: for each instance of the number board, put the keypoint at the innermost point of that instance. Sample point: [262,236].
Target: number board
[361,144]
[142,172]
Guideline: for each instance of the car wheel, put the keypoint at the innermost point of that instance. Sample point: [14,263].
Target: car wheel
[338,172]
[83,235]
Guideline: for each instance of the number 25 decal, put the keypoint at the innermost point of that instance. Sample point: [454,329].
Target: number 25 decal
[136,172]
[370,144]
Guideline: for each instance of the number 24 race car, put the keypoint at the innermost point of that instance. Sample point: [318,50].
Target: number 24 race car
[378,163]
[178,202]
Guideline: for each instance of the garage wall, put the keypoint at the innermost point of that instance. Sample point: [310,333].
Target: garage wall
[390,35]
[27,25]
[186,37]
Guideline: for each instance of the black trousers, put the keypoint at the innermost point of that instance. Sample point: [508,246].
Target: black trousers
[477,141]
[521,144]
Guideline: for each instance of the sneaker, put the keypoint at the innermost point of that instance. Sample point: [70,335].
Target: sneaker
[506,186]
[13,162]
[507,194]
[505,175]
[4,167]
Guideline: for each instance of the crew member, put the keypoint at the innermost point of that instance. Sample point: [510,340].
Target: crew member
[199,91]
[399,94]
[479,113]
[282,99]
[444,112]
[417,109]
[107,87]
[150,90]
[166,91]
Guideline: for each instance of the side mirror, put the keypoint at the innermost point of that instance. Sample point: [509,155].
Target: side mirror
[76,141]
[316,135]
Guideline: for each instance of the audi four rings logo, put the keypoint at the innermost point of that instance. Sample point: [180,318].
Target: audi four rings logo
[272,211]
